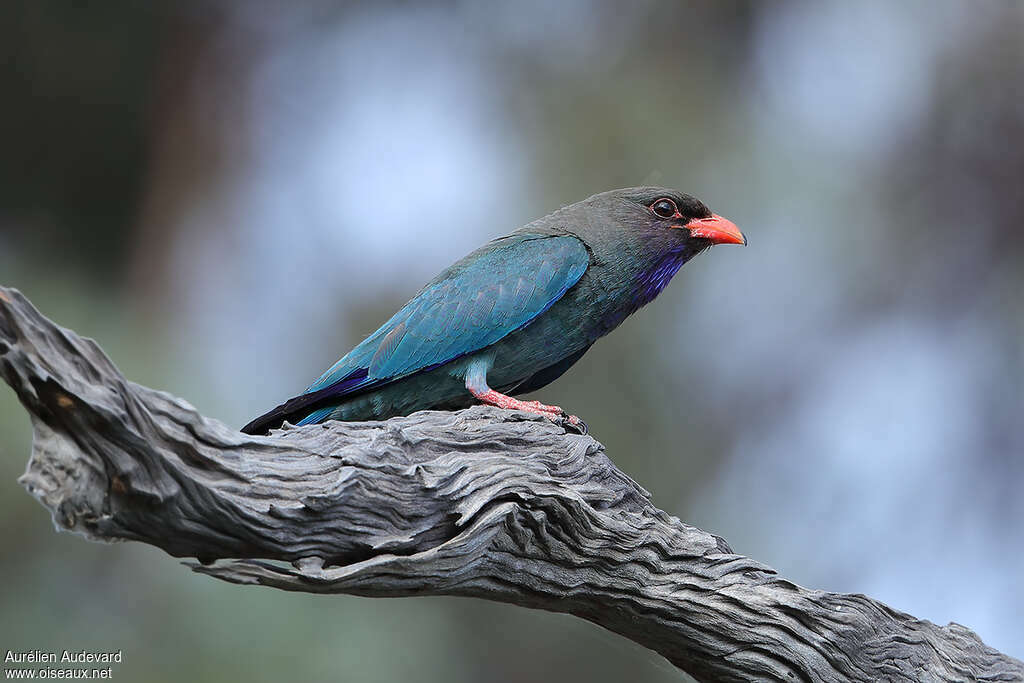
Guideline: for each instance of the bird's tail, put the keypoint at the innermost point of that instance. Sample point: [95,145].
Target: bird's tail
[301,410]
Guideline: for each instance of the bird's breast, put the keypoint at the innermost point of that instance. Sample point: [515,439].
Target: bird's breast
[605,296]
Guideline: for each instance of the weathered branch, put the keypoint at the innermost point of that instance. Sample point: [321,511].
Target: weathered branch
[479,503]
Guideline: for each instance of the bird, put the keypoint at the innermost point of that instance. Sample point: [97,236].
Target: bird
[514,315]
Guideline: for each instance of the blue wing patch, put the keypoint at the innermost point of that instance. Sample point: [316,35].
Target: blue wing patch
[475,303]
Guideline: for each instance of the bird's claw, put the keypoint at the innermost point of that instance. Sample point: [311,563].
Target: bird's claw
[564,419]
[576,423]
[560,417]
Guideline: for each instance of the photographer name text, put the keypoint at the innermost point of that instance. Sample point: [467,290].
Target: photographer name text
[65,657]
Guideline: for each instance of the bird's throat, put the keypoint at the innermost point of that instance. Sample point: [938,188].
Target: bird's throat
[647,285]
[654,279]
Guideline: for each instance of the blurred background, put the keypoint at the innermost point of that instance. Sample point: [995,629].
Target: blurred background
[229,195]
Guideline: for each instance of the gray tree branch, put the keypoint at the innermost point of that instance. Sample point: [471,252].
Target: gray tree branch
[480,502]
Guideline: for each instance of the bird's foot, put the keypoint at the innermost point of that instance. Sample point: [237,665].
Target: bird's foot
[553,413]
[557,415]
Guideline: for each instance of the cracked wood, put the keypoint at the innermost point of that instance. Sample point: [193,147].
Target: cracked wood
[482,502]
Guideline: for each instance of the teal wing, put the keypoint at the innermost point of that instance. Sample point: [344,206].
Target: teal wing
[475,303]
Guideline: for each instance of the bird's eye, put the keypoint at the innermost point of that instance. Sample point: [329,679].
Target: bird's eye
[664,208]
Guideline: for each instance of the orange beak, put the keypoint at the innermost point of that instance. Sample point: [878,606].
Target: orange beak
[717,229]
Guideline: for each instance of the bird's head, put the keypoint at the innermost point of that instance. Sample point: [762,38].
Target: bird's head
[668,217]
[639,237]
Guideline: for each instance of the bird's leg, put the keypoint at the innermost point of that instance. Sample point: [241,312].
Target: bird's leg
[476,382]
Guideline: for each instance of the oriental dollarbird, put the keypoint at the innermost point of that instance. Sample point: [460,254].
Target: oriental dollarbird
[515,314]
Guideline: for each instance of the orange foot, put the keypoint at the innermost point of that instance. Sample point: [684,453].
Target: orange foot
[553,413]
